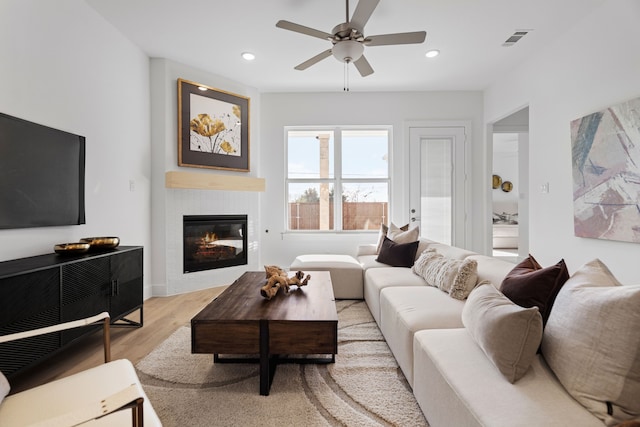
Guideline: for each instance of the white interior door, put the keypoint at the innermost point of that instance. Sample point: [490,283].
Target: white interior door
[437,183]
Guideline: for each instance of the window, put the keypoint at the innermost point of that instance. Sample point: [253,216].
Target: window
[350,162]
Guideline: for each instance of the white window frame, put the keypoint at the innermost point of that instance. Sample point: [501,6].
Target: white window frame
[337,180]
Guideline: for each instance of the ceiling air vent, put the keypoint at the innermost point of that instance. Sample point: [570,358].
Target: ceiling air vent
[515,37]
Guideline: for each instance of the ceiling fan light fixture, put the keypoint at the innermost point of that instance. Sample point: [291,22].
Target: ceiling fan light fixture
[347,50]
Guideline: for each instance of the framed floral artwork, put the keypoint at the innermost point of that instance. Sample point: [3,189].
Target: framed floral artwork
[213,128]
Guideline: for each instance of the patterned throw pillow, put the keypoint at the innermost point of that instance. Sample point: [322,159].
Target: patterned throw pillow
[456,277]
[592,344]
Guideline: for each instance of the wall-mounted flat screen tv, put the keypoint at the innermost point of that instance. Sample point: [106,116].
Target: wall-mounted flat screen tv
[41,175]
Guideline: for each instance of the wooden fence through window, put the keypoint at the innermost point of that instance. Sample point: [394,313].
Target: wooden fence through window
[356,215]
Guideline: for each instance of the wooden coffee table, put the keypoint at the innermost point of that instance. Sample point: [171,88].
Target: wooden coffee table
[241,322]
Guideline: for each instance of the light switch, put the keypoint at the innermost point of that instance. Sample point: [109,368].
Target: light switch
[544,188]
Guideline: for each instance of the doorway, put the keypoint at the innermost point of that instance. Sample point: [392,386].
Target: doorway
[438,182]
[510,182]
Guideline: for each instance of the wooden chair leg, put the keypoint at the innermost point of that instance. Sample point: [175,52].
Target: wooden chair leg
[137,414]
[106,337]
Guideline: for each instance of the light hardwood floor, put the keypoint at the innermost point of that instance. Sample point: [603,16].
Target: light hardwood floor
[162,317]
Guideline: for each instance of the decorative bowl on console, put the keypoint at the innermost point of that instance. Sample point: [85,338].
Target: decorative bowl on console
[101,243]
[71,248]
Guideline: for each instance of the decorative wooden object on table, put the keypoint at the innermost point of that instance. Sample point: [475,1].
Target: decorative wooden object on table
[278,278]
[241,322]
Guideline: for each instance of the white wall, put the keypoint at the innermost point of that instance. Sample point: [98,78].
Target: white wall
[170,205]
[354,108]
[595,64]
[63,66]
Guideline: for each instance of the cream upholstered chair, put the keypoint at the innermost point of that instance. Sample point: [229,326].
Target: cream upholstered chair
[106,395]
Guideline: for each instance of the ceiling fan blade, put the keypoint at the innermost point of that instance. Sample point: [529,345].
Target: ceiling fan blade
[286,25]
[362,13]
[363,66]
[309,62]
[398,38]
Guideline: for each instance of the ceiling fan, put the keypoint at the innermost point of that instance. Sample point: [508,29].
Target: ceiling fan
[348,38]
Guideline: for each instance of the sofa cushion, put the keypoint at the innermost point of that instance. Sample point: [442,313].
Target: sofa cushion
[370,261]
[4,387]
[592,344]
[376,279]
[452,252]
[531,285]
[456,277]
[492,269]
[397,254]
[405,310]
[455,384]
[508,334]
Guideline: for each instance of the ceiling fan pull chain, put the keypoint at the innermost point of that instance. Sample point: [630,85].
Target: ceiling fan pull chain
[346,77]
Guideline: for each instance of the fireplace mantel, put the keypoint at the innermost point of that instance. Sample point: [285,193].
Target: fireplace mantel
[208,181]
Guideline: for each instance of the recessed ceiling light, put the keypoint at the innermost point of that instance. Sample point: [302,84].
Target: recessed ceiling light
[432,53]
[248,56]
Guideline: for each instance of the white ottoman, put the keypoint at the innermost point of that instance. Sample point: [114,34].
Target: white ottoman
[346,272]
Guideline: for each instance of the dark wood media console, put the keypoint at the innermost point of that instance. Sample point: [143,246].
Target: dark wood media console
[49,289]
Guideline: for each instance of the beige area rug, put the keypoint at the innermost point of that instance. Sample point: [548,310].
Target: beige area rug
[364,387]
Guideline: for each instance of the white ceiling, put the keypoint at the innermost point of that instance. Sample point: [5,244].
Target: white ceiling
[211,34]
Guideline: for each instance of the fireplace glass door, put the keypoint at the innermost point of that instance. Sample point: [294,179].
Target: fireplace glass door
[214,241]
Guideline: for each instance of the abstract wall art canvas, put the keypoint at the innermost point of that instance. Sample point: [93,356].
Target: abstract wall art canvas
[605,149]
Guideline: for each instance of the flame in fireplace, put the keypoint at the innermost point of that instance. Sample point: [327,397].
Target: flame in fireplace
[209,237]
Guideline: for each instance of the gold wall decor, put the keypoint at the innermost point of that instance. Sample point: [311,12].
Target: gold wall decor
[496,181]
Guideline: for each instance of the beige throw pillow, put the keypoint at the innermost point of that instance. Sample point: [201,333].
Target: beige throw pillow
[508,334]
[403,234]
[397,234]
[456,277]
[381,235]
[592,342]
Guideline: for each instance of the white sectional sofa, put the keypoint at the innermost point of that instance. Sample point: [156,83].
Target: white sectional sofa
[456,378]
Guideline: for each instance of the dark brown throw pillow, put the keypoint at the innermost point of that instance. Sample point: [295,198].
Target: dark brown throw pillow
[529,284]
[397,254]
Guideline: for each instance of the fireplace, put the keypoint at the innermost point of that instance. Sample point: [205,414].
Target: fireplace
[214,241]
